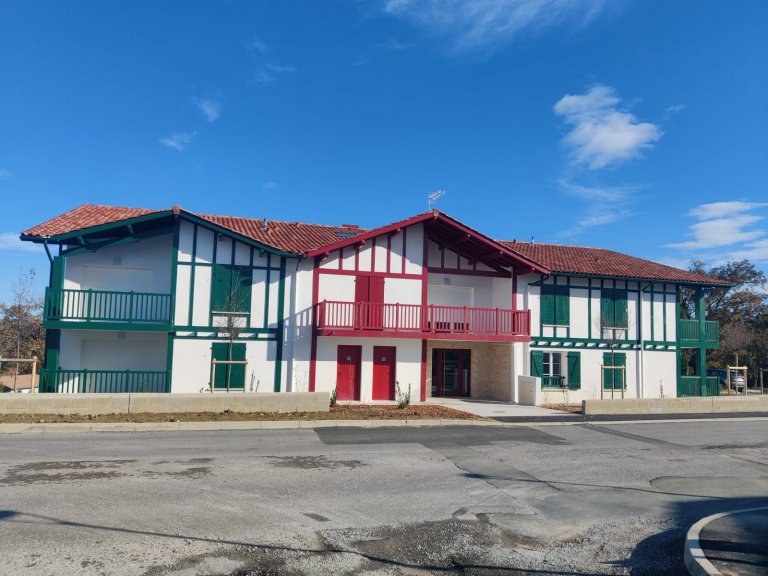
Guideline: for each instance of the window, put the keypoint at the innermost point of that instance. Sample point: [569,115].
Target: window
[554,305]
[231,290]
[557,369]
[228,376]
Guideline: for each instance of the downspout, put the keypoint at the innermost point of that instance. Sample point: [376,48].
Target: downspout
[640,333]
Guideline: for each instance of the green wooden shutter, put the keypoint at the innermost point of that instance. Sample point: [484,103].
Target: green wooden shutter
[562,306]
[244,280]
[537,363]
[234,373]
[220,286]
[620,308]
[547,304]
[219,352]
[606,309]
[237,371]
[614,378]
[620,359]
[574,370]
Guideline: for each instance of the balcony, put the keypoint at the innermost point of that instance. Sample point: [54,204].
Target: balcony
[689,334]
[100,310]
[691,386]
[416,321]
[103,381]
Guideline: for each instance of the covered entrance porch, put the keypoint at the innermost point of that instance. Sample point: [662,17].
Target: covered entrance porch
[480,370]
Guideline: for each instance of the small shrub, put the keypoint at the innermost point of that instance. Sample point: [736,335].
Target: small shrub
[403,400]
[333,398]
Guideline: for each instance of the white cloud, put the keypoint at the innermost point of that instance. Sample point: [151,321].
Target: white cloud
[720,232]
[178,141]
[723,209]
[676,108]
[492,23]
[257,45]
[270,185]
[269,72]
[726,231]
[602,134]
[755,252]
[4,174]
[9,242]
[602,205]
[211,109]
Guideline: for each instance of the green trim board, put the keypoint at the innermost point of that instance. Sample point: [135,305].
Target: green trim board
[91,325]
[596,344]
[635,279]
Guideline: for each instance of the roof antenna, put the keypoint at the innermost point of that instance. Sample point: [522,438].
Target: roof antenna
[434,197]
[532,242]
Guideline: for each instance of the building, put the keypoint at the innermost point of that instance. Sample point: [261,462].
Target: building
[172,301]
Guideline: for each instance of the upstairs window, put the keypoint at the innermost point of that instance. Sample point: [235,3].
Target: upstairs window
[613,314]
[231,290]
[555,309]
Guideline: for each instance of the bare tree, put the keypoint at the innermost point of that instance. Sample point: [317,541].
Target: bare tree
[21,326]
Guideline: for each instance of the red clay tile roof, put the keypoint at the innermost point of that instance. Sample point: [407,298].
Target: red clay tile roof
[286,236]
[85,216]
[298,238]
[292,237]
[602,262]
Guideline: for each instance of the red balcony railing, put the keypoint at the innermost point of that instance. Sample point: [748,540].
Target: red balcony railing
[415,320]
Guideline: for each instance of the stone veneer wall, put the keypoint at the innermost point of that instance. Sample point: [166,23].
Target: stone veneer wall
[491,368]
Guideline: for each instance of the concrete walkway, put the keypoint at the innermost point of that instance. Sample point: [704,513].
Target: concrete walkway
[729,543]
[494,409]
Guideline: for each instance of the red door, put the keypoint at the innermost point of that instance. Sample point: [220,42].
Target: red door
[384,372]
[348,373]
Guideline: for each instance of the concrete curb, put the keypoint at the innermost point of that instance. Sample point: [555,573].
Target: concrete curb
[56,427]
[693,555]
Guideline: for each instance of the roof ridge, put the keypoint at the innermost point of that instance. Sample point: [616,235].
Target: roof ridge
[274,221]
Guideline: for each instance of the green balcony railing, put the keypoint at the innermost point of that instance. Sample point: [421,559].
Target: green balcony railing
[691,386]
[689,332]
[552,381]
[107,306]
[103,381]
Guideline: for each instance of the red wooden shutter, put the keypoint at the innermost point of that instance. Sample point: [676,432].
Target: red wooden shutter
[376,293]
[362,288]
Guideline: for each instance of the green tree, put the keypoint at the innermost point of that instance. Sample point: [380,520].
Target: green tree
[742,311]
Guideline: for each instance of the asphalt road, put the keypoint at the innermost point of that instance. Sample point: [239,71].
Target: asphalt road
[583,499]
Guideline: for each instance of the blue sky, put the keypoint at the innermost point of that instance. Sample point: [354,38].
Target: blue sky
[636,125]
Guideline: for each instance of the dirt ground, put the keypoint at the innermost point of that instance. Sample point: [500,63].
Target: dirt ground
[569,408]
[340,412]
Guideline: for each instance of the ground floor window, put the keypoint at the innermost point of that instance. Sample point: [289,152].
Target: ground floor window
[228,376]
[557,369]
[451,372]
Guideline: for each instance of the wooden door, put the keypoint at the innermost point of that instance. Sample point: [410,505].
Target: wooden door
[384,372]
[348,373]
